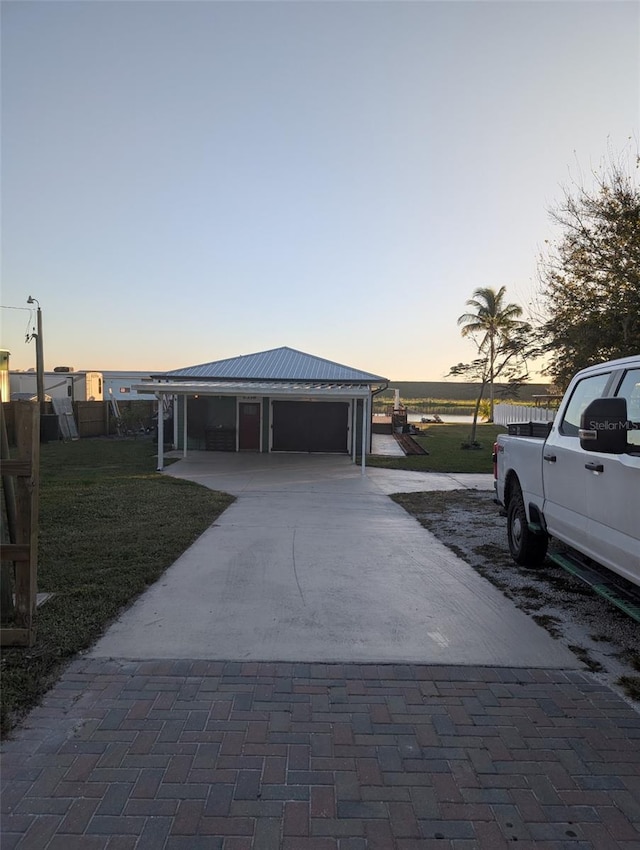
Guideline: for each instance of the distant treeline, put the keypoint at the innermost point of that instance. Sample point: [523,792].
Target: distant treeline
[457,391]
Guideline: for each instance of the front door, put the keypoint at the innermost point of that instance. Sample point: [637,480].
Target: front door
[249,428]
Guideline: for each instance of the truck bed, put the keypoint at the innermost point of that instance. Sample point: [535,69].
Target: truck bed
[521,456]
[530,429]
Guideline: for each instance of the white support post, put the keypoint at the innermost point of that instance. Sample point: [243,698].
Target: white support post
[354,414]
[365,408]
[184,427]
[160,433]
[174,407]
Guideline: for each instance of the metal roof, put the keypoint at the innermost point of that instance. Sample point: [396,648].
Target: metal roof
[278,364]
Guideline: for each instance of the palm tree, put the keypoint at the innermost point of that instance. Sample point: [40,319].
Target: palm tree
[494,321]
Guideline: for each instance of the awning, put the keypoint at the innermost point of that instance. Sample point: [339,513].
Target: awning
[304,389]
[326,390]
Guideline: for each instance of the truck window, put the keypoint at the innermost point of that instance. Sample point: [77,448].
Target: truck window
[630,389]
[584,392]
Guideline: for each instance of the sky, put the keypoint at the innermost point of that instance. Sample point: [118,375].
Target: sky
[188,181]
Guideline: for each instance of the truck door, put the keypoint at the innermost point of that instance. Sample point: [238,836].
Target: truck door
[563,466]
[612,492]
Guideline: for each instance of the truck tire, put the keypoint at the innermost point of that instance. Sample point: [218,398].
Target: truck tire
[527,548]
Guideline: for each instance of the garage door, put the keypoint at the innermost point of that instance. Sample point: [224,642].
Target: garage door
[305,426]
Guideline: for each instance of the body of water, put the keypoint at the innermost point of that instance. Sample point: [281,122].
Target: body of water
[415,418]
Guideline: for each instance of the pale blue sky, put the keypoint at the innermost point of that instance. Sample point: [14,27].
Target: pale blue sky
[188,181]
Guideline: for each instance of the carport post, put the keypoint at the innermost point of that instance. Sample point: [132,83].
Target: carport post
[174,407]
[354,440]
[365,408]
[184,427]
[160,433]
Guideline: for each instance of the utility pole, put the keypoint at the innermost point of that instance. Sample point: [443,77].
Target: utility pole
[39,355]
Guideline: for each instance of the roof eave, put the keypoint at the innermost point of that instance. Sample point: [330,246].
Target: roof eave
[265,388]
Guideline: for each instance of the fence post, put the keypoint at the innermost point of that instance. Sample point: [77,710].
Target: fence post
[24,552]
[7,608]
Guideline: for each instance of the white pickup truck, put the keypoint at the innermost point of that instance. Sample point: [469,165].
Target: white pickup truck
[580,482]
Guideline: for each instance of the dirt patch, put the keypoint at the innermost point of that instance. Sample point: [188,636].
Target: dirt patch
[605,639]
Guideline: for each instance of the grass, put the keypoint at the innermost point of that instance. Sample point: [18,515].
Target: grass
[444,444]
[585,657]
[109,527]
[631,684]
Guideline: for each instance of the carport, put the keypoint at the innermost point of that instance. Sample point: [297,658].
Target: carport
[281,400]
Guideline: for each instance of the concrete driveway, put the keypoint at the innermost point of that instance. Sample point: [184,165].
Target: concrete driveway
[314,562]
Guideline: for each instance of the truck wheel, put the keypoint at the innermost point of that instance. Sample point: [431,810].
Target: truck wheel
[527,548]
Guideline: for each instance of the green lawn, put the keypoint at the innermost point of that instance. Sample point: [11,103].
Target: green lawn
[109,527]
[444,444]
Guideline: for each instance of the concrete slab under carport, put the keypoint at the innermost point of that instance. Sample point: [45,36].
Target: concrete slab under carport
[314,562]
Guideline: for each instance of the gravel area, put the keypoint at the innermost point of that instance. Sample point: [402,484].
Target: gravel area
[602,636]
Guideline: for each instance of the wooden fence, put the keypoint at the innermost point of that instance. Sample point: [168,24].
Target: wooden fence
[20,483]
[92,418]
[96,418]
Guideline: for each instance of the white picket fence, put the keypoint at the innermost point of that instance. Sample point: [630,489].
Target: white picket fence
[504,414]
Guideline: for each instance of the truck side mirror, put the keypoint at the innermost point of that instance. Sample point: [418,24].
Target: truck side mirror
[604,426]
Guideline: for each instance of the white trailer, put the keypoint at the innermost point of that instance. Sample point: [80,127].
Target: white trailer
[119,384]
[78,386]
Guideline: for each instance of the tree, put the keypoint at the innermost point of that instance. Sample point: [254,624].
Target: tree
[590,277]
[509,363]
[492,325]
